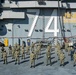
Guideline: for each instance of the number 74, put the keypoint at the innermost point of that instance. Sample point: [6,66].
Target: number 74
[55,30]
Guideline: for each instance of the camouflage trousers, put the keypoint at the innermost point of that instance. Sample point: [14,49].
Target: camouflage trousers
[13,55]
[61,61]
[17,60]
[5,61]
[48,59]
[1,54]
[10,51]
[23,55]
[74,61]
[32,62]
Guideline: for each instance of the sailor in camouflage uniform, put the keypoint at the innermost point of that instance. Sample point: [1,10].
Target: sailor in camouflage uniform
[18,47]
[66,46]
[10,49]
[48,55]
[32,59]
[32,46]
[62,57]
[36,51]
[13,51]
[74,56]
[5,57]
[27,49]
[17,59]
[23,53]
[58,50]
[2,50]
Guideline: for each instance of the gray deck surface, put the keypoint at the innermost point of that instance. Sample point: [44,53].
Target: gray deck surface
[41,68]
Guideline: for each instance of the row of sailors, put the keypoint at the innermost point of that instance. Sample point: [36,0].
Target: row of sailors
[70,48]
[17,50]
[35,51]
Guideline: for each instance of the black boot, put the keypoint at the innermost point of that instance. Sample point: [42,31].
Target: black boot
[74,65]
[4,62]
[18,63]
[34,66]
[15,63]
[50,64]
[60,64]
[30,66]
[63,64]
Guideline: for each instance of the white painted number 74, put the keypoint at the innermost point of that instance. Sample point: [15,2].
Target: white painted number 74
[55,30]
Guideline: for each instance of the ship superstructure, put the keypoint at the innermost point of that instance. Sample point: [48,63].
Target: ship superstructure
[37,20]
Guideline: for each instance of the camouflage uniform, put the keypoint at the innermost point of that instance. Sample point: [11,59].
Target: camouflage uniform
[66,46]
[36,51]
[23,53]
[23,45]
[49,47]
[39,49]
[17,60]
[69,48]
[58,46]
[58,50]
[27,49]
[48,55]
[32,59]
[13,51]
[18,47]
[32,46]
[58,53]
[74,56]
[62,59]
[2,50]
[5,57]
[10,50]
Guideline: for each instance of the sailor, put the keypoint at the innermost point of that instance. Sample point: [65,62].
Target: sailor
[27,49]
[62,59]
[58,46]
[70,47]
[32,59]
[74,56]
[2,50]
[74,46]
[5,57]
[71,54]
[66,46]
[63,46]
[18,47]
[10,49]
[36,51]
[58,53]
[39,49]
[13,51]
[48,55]
[23,53]
[72,51]
[32,46]
[17,60]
